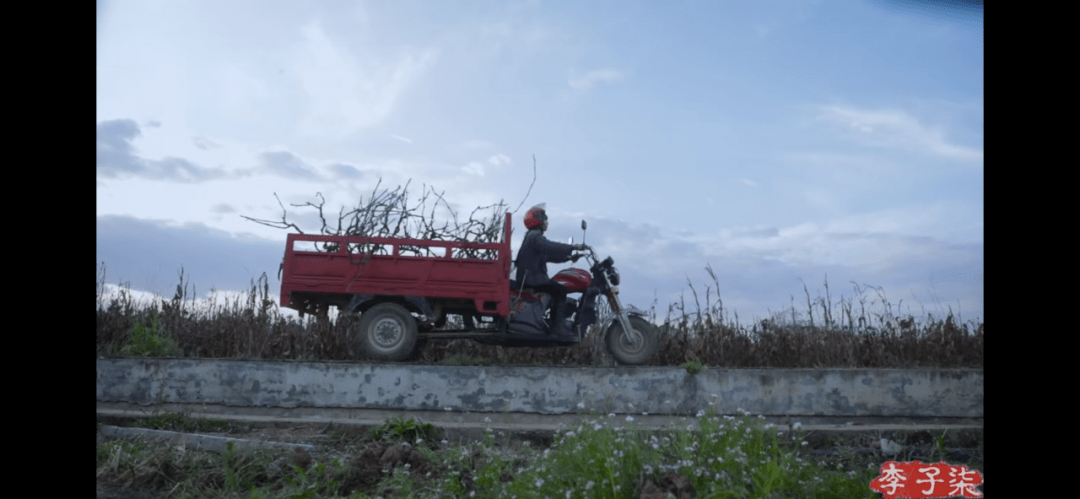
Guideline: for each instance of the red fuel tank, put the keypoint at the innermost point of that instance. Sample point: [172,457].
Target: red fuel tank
[573,279]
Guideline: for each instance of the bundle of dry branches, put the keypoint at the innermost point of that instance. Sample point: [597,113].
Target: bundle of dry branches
[388,213]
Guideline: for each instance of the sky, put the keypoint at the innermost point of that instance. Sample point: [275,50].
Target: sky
[784,144]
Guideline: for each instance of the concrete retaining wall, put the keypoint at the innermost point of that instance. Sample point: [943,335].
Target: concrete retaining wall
[544,390]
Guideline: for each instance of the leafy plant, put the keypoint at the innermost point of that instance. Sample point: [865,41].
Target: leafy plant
[307,485]
[694,366]
[149,340]
[397,429]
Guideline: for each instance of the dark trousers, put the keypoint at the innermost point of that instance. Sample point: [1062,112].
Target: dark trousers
[558,302]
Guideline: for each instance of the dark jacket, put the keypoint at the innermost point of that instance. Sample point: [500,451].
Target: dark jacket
[535,253]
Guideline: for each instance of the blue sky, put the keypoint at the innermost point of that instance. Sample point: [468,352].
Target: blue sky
[779,142]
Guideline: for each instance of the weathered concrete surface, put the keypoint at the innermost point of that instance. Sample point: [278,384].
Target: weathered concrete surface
[948,393]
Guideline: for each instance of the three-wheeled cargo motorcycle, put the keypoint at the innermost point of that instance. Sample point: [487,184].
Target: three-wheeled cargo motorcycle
[403,291]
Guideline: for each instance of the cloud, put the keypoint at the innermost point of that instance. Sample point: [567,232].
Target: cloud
[347,92]
[344,171]
[595,77]
[150,253]
[894,129]
[116,157]
[222,208]
[474,168]
[499,160]
[403,139]
[760,267]
[204,143]
[285,164]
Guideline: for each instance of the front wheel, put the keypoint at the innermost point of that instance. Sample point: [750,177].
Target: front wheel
[646,341]
[387,331]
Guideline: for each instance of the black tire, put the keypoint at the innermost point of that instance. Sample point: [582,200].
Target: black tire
[646,341]
[387,331]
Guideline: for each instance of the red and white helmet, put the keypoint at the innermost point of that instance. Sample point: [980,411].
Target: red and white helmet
[536,216]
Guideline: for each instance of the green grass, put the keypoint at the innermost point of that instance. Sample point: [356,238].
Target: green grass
[148,340]
[606,457]
[179,422]
[694,366]
[397,429]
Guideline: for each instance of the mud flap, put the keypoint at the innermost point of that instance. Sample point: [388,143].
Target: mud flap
[527,316]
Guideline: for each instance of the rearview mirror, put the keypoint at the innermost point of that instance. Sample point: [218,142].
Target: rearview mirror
[582,225]
[571,239]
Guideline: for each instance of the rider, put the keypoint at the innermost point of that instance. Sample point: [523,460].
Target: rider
[535,253]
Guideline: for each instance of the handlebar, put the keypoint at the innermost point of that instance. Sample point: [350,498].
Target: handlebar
[588,253]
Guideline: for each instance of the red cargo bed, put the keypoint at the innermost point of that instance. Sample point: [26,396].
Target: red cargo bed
[335,276]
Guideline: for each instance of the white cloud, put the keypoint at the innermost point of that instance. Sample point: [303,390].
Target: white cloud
[499,160]
[895,129]
[474,168]
[596,76]
[346,93]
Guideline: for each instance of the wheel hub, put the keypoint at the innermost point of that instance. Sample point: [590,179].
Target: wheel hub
[388,332]
[639,340]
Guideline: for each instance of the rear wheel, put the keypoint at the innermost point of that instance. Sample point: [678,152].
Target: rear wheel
[646,341]
[387,331]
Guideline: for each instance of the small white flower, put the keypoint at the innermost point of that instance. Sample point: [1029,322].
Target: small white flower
[581,405]
[611,414]
[589,485]
[629,418]
[700,413]
[568,494]
[539,482]
[487,420]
